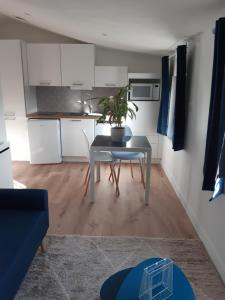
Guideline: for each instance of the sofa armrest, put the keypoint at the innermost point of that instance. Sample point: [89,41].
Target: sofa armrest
[25,199]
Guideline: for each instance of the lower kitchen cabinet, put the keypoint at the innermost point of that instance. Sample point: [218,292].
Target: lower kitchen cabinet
[73,140]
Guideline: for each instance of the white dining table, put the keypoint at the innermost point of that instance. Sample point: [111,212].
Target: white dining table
[130,144]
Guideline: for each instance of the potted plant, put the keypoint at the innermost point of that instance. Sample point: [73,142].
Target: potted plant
[115,110]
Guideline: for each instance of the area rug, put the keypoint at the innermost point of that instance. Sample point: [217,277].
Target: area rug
[74,267]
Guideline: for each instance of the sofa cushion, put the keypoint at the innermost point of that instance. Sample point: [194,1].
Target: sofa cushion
[20,235]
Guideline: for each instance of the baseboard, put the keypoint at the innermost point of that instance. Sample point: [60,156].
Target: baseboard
[74,159]
[219,264]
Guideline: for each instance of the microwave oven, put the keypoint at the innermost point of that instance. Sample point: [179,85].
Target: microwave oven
[144,91]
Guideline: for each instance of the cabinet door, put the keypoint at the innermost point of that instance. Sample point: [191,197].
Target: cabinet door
[111,76]
[44,64]
[77,64]
[11,74]
[102,129]
[73,140]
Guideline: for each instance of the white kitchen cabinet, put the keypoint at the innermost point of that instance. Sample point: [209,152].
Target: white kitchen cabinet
[77,65]
[44,64]
[72,137]
[110,76]
[102,129]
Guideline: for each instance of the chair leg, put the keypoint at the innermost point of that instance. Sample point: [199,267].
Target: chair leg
[43,246]
[142,174]
[111,173]
[131,168]
[118,178]
[118,173]
[116,181]
[87,173]
[88,180]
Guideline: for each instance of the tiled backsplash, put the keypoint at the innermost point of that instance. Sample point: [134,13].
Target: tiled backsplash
[63,99]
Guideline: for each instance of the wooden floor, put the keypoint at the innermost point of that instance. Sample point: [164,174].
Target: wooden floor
[71,213]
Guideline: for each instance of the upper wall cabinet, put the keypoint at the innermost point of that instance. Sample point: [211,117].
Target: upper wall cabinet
[44,64]
[111,76]
[77,65]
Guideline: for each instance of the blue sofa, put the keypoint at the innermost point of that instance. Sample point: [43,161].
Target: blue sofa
[23,225]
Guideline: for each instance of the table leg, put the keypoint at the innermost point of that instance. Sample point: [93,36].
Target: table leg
[98,171]
[92,177]
[148,174]
[144,166]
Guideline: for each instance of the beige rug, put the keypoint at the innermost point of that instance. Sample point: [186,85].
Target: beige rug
[74,267]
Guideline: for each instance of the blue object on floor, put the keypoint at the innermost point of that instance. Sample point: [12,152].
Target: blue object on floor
[109,288]
[127,288]
[23,225]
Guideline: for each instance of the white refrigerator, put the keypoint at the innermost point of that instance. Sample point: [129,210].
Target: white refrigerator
[45,141]
[6,180]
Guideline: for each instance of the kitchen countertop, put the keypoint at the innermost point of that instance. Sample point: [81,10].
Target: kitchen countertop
[61,115]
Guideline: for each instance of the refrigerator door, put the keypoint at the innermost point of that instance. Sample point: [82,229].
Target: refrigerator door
[45,142]
[6,180]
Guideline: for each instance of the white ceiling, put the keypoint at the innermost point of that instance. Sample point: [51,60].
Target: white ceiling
[150,26]
[3,19]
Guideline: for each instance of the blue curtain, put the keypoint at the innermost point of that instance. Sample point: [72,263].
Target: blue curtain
[164,105]
[180,100]
[216,120]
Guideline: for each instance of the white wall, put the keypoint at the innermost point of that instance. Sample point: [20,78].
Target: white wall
[185,168]
[2,122]
[136,62]
[22,31]
[104,56]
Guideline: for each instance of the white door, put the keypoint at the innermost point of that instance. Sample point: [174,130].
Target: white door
[17,135]
[73,140]
[2,122]
[44,64]
[6,180]
[77,64]
[11,74]
[44,140]
[111,76]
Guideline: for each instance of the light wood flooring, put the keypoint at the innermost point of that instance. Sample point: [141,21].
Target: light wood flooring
[71,213]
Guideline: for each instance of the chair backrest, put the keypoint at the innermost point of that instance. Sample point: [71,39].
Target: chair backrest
[87,142]
[128,131]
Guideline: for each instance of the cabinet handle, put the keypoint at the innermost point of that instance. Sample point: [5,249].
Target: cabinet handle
[75,120]
[45,82]
[110,84]
[10,118]
[77,83]
[9,114]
